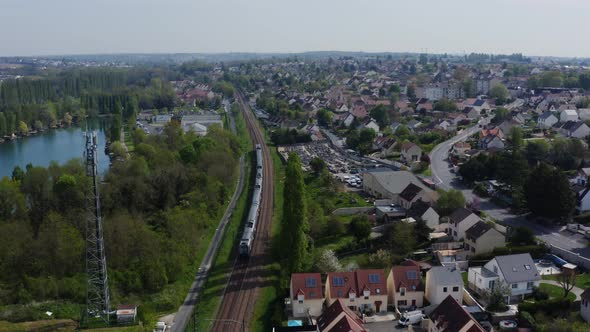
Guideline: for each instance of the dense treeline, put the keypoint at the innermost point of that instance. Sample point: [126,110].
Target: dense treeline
[40,103]
[158,207]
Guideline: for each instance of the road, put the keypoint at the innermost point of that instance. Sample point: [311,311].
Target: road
[249,275]
[445,179]
[184,314]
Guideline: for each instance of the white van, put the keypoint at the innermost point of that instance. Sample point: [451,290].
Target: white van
[411,318]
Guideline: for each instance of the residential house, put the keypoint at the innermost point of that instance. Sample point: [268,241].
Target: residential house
[583,200]
[460,221]
[585,305]
[456,118]
[480,105]
[411,152]
[451,316]
[442,281]
[405,287]
[161,119]
[547,120]
[568,115]
[348,119]
[386,145]
[584,114]
[420,210]
[482,238]
[371,124]
[518,272]
[337,317]
[361,290]
[573,129]
[412,193]
[306,294]
[471,112]
[491,139]
[458,149]
[413,125]
[385,183]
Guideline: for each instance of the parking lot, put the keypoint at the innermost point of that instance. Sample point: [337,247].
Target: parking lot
[384,327]
[336,161]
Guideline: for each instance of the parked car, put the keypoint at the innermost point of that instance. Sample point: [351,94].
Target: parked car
[411,318]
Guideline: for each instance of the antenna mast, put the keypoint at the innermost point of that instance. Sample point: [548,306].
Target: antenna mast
[97,286]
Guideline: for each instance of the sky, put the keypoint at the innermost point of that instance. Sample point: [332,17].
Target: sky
[532,27]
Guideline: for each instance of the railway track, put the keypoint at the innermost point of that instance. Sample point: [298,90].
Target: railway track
[241,291]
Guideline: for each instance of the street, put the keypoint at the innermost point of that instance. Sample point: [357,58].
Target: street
[445,179]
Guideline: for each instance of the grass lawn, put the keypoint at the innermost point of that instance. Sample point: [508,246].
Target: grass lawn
[556,291]
[582,280]
[465,276]
[44,325]
[427,171]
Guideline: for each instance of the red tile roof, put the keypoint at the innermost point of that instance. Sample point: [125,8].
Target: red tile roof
[450,316]
[302,283]
[339,312]
[372,280]
[401,278]
[348,284]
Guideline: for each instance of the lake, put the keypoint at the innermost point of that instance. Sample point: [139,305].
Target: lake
[58,145]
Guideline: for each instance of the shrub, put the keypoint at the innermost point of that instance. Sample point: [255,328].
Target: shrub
[539,294]
[553,307]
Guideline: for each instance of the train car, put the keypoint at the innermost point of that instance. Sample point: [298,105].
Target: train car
[253,214]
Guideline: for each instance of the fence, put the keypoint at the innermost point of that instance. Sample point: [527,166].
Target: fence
[571,257]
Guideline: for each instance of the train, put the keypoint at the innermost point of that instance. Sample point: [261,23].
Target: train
[253,214]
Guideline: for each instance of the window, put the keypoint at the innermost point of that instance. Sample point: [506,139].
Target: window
[310,282]
[338,281]
[455,289]
[472,249]
[514,286]
[411,275]
[402,303]
[373,278]
[530,285]
[527,267]
[444,289]
[495,269]
[311,294]
[491,284]
[339,293]
[402,291]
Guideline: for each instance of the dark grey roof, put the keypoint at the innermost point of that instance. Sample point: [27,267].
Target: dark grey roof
[444,276]
[477,230]
[410,192]
[418,209]
[586,294]
[479,102]
[572,125]
[518,268]
[546,115]
[460,214]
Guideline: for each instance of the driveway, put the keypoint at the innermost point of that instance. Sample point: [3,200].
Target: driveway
[445,179]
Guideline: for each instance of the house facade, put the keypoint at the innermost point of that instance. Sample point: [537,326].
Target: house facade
[361,290]
[421,210]
[451,316]
[460,221]
[442,281]
[482,238]
[568,115]
[411,152]
[405,287]
[306,294]
[517,272]
[547,120]
[585,305]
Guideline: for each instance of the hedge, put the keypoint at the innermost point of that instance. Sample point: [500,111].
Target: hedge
[536,251]
[553,307]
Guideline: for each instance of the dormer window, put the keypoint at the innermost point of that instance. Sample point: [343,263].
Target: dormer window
[402,291]
[351,296]
[366,293]
[300,298]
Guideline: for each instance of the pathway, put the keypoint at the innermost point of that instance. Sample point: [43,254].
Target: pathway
[576,290]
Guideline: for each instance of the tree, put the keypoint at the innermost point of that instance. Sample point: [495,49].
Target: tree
[380,259]
[327,262]
[501,114]
[558,202]
[515,139]
[449,201]
[500,93]
[445,105]
[380,114]
[496,297]
[295,225]
[68,119]
[522,236]
[401,239]
[23,129]
[324,117]
[360,227]
[567,280]
[12,201]
[536,151]
[317,165]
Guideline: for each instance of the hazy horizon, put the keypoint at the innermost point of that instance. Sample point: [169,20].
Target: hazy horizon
[73,27]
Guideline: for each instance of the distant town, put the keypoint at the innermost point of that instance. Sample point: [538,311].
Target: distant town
[321,191]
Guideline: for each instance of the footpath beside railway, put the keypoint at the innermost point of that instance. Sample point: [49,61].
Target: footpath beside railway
[184,314]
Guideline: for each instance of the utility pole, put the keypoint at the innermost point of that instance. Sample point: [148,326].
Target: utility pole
[97,286]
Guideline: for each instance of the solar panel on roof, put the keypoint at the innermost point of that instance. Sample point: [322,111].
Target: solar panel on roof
[338,281]
[373,278]
[411,275]
[310,282]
